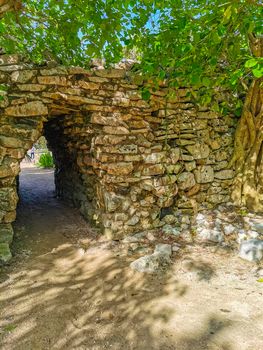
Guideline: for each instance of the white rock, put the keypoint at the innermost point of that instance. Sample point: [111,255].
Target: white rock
[154,262]
[164,249]
[150,263]
[229,229]
[200,217]
[252,234]
[212,235]
[242,236]
[251,250]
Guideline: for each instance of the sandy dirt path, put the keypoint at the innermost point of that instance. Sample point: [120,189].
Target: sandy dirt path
[66,288]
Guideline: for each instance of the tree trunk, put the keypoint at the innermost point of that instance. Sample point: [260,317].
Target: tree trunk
[248,150]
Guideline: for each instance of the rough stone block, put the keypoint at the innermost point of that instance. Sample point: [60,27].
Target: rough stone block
[204,174]
[224,174]
[186,181]
[9,59]
[251,250]
[5,254]
[198,150]
[34,108]
[6,233]
[23,76]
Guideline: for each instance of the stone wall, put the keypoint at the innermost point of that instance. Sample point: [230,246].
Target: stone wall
[123,161]
[9,5]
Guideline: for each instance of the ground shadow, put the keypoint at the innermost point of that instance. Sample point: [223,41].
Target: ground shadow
[90,299]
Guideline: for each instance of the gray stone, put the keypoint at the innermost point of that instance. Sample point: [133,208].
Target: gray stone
[137,237]
[163,249]
[256,226]
[151,263]
[251,250]
[112,201]
[242,236]
[5,254]
[200,218]
[170,230]
[212,235]
[229,229]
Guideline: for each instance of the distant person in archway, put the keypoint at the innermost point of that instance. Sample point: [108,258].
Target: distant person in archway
[32,152]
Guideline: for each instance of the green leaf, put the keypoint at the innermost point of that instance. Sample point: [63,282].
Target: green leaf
[146,94]
[251,63]
[257,72]
[227,14]
[260,280]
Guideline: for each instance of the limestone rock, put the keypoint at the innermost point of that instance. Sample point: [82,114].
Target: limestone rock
[204,174]
[155,158]
[224,174]
[112,201]
[136,238]
[213,235]
[251,250]
[22,76]
[133,221]
[155,262]
[163,249]
[11,142]
[9,59]
[198,150]
[186,181]
[169,219]
[189,166]
[171,230]
[6,233]
[257,226]
[9,168]
[5,254]
[175,155]
[35,108]
[8,199]
[229,229]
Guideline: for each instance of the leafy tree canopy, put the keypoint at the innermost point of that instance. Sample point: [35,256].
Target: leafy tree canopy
[202,43]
